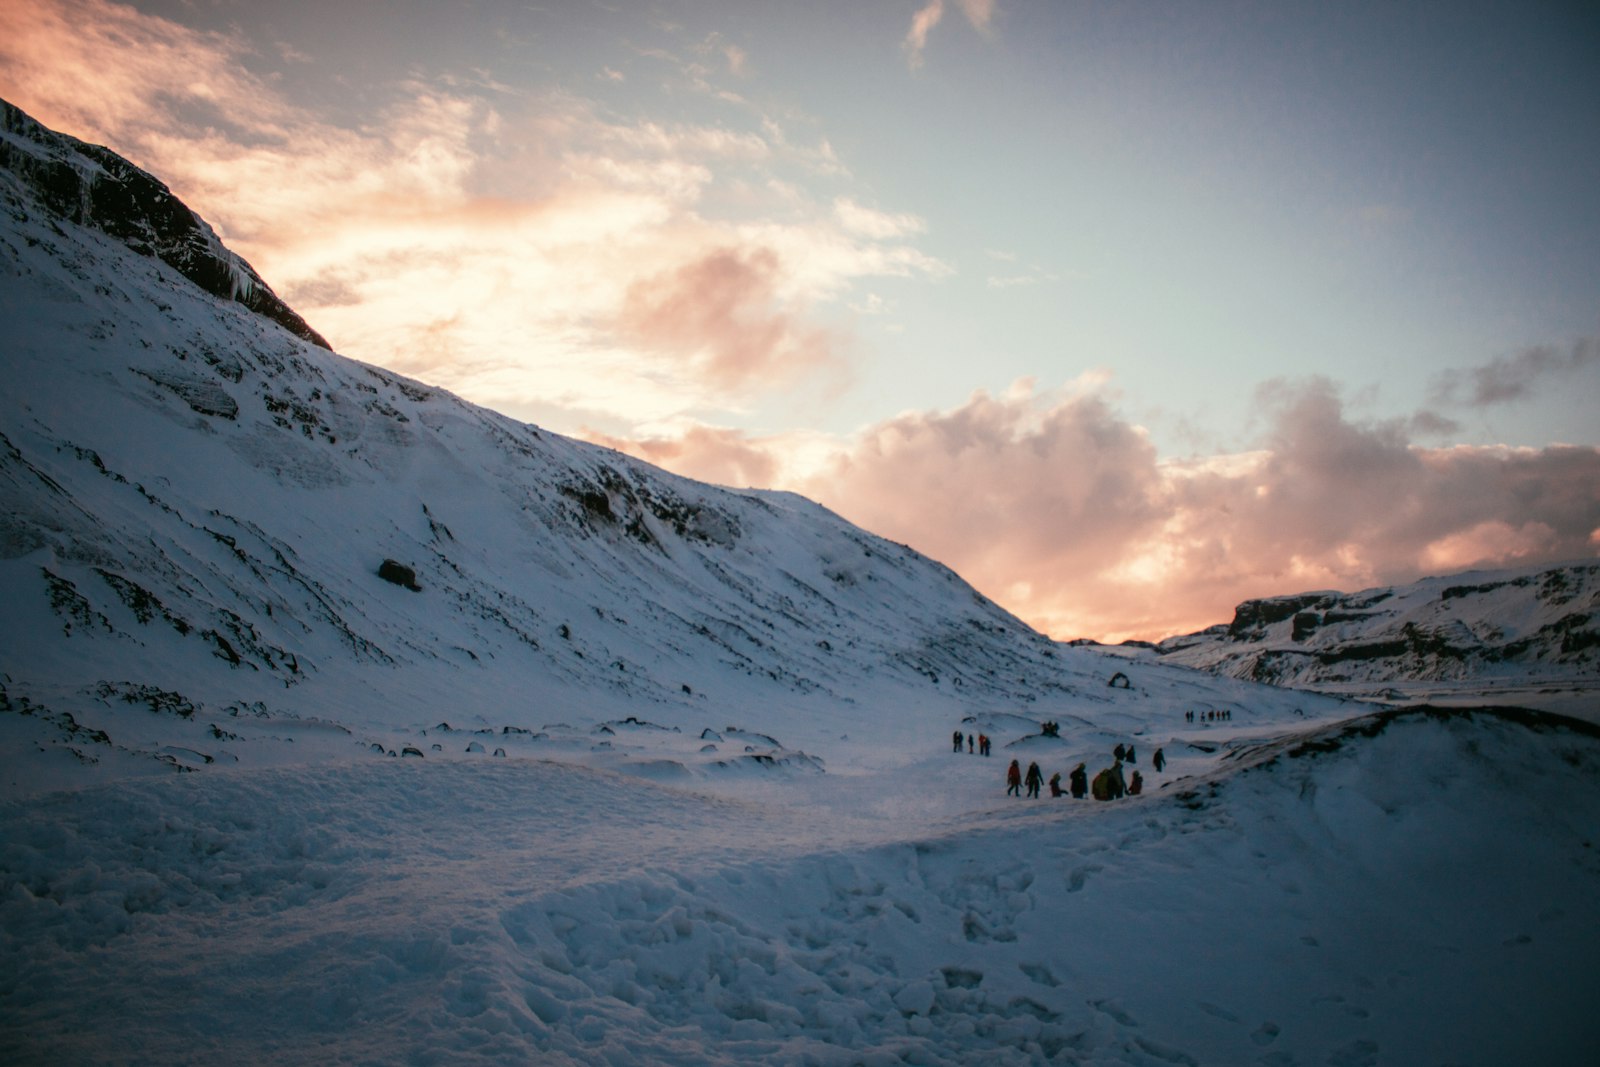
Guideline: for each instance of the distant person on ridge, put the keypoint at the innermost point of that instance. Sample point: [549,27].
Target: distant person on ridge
[958,740]
[969,744]
[1013,780]
[1035,779]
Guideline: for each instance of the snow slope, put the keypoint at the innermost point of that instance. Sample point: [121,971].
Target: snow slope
[636,770]
[1528,635]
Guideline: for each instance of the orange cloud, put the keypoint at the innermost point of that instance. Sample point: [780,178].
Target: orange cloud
[528,250]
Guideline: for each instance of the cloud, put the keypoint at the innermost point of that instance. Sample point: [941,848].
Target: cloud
[721,313]
[1058,507]
[527,248]
[706,453]
[978,12]
[1508,379]
[876,225]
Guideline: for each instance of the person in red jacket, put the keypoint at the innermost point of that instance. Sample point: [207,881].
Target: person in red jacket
[1013,780]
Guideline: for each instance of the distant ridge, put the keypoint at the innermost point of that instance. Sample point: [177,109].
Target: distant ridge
[1470,635]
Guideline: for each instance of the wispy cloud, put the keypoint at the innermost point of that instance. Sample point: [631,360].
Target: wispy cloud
[530,250]
[1507,379]
[978,12]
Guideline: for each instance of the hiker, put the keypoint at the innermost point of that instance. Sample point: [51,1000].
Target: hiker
[1035,779]
[958,740]
[1055,785]
[1079,781]
[1136,786]
[1013,780]
[1121,751]
[1130,757]
[983,744]
[969,744]
[1108,783]
[1160,760]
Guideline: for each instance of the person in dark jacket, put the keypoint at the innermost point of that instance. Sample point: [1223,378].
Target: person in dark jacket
[1136,786]
[1055,785]
[1013,780]
[1078,781]
[1159,759]
[1034,779]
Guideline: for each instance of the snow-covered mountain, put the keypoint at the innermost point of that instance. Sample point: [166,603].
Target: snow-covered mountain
[1529,636]
[208,514]
[687,781]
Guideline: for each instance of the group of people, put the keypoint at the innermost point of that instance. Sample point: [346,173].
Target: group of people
[979,745]
[1209,716]
[1108,784]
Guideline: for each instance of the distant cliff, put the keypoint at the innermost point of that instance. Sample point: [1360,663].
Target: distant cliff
[1526,622]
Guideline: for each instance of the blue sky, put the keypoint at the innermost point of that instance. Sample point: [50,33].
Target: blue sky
[898,254]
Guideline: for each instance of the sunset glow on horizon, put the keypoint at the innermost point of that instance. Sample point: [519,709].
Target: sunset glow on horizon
[1125,312]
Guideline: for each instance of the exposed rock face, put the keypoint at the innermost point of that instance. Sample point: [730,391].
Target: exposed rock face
[1540,619]
[93,186]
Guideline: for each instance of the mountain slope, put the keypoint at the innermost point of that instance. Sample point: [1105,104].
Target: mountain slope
[201,505]
[1531,632]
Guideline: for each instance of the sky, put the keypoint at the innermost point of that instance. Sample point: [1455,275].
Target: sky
[1125,311]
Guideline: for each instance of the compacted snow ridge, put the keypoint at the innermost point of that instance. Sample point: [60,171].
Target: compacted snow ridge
[342,721]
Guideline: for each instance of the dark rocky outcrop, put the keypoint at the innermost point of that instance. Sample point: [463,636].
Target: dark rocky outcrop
[399,574]
[94,187]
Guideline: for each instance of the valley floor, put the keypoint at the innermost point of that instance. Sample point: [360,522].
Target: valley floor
[1418,890]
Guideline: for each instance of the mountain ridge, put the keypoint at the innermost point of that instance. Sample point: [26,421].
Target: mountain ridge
[1465,636]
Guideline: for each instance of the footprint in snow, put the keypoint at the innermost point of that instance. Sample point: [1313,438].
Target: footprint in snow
[1080,876]
[1266,1033]
[1115,1011]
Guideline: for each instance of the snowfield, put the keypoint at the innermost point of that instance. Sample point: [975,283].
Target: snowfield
[1422,895]
[342,721]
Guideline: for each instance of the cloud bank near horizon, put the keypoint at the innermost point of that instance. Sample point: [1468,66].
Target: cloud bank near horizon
[541,255]
[1058,507]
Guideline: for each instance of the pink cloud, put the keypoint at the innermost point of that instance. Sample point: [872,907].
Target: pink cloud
[705,453]
[1060,509]
[721,311]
